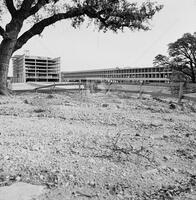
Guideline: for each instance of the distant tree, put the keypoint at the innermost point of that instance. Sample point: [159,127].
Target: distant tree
[105,14]
[178,73]
[160,60]
[182,57]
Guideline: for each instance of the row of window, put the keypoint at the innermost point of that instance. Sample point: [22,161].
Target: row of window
[41,61]
[123,71]
[42,80]
[41,71]
[122,74]
[47,76]
[41,65]
[147,75]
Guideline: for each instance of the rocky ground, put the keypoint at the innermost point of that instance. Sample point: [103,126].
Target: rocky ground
[99,146]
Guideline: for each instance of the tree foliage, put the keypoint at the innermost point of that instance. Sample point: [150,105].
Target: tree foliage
[105,14]
[181,57]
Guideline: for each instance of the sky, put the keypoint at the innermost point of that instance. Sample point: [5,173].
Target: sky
[86,48]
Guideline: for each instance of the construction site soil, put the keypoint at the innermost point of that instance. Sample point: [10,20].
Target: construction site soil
[111,146]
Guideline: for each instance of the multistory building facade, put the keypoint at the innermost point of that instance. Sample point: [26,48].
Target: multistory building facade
[35,69]
[147,74]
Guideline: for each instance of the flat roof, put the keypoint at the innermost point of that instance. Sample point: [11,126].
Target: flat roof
[34,57]
[109,69]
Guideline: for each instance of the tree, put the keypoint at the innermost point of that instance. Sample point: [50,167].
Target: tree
[105,14]
[182,56]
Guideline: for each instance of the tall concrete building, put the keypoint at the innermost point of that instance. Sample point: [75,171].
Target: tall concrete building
[35,69]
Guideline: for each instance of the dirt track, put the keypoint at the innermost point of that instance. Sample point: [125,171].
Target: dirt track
[97,146]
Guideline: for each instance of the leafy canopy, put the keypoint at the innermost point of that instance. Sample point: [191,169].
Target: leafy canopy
[181,56]
[105,14]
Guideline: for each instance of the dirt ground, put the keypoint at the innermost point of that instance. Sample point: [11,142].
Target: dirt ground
[99,146]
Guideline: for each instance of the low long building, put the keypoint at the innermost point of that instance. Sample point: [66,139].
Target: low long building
[147,74]
[35,69]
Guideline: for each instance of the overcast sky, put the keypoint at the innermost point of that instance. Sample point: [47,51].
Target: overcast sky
[85,48]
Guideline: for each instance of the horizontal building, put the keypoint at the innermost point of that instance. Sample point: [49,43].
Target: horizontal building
[35,69]
[147,74]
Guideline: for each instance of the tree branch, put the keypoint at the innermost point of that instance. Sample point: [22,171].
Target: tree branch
[116,19]
[186,73]
[186,52]
[26,5]
[10,6]
[39,27]
[113,20]
[39,5]
[25,8]
[193,55]
[186,67]
[3,33]
[91,13]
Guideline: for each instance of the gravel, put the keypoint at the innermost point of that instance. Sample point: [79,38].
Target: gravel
[97,146]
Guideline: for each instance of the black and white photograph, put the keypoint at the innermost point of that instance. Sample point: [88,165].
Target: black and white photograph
[97,99]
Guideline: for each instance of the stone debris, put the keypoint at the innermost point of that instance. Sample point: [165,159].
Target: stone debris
[110,146]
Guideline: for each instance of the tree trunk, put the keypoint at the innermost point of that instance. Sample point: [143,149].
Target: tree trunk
[6,49]
[193,78]
[192,73]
